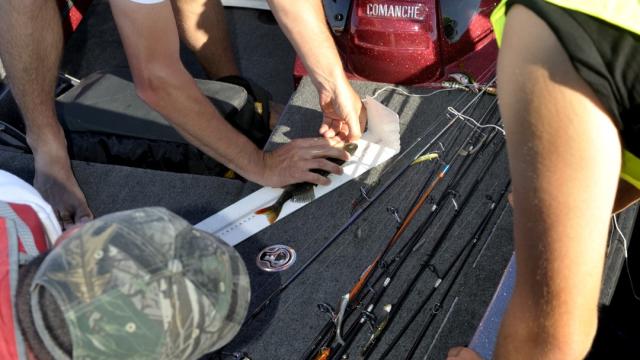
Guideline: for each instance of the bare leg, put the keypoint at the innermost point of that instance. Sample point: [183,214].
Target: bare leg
[203,28]
[30,47]
[565,158]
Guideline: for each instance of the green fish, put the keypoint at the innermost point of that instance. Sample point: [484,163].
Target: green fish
[300,192]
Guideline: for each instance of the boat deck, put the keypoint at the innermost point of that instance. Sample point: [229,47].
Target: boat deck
[292,320]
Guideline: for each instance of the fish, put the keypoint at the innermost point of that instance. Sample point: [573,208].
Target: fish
[300,192]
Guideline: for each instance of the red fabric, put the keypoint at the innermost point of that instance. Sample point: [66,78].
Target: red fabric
[72,14]
[30,217]
[8,349]
[7,340]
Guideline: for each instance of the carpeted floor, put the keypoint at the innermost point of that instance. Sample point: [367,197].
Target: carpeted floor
[289,324]
[291,321]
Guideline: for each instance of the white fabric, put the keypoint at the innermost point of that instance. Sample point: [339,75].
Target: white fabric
[15,190]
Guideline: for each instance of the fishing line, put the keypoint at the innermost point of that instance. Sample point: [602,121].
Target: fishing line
[626,256]
[504,211]
[460,261]
[469,118]
[406,93]
[4,91]
[403,254]
[328,331]
[488,72]
[446,318]
[367,189]
[354,217]
[356,326]
[374,341]
[457,101]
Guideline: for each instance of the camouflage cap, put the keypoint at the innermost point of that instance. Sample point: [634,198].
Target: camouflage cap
[144,284]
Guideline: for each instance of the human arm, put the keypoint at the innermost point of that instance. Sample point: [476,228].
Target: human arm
[564,157]
[150,38]
[304,24]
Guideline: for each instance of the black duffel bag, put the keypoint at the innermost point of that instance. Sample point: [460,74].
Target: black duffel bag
[106,122]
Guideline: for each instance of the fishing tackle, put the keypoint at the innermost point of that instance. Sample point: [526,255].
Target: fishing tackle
[355,216]
[426,157]
[351,296]
[477,234]
[374,341]
[394,308]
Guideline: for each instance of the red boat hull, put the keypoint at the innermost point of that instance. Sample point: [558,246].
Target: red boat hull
[414,42]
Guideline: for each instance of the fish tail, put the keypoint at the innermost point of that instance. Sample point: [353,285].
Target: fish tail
[272,212]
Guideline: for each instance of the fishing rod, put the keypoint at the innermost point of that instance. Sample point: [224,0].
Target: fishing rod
[355,216]
[460,172]
[326,335]
[479,90]
[450,193]
[467,256]
[393,309]
[328,331]
[479,231]
[350,297]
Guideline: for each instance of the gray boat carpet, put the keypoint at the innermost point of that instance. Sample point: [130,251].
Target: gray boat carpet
[111,188]
[291,321]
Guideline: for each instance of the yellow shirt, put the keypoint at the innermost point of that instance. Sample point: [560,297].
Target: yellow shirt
[621,13]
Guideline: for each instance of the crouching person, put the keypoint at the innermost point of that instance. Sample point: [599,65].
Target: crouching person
[138,284]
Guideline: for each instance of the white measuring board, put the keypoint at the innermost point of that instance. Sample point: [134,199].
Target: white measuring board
[239,221]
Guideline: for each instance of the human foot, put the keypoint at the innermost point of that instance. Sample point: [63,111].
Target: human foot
[56,183]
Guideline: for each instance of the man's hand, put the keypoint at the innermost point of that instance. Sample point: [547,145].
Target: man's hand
[304,23]
[293,162]
[54,178]
[462,353]
[344,114]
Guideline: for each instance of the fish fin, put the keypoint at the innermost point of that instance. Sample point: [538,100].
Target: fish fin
[272,212]
[351,148]
[304,196]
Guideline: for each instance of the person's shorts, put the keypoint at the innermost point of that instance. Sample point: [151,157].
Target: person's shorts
[607,57]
